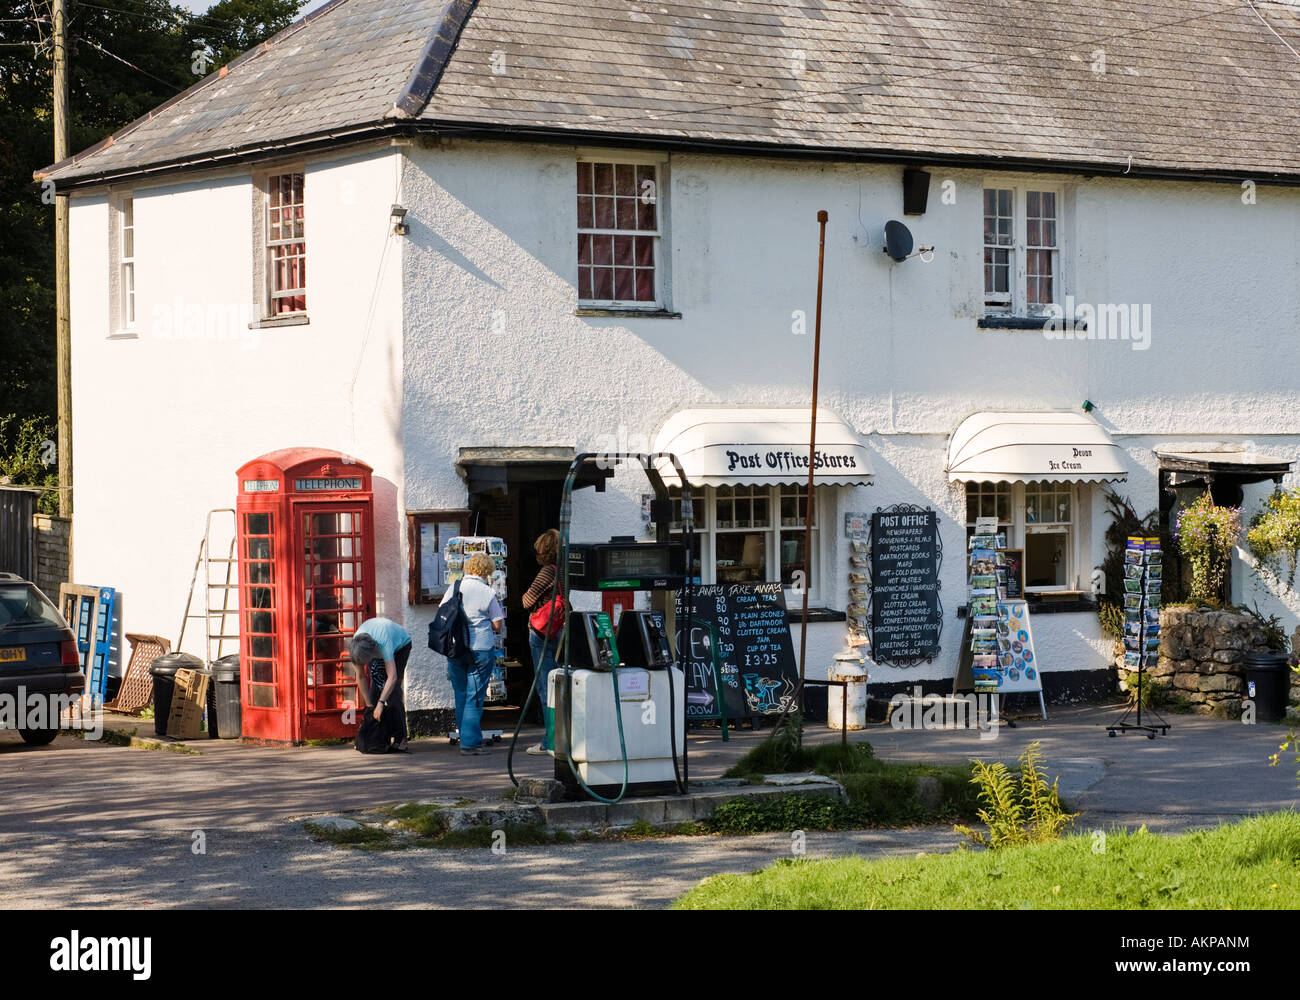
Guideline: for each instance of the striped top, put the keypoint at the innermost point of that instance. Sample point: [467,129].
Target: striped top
[541,588]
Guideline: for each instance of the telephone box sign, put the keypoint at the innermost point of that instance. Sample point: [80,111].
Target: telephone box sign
[261,485]
[315,485]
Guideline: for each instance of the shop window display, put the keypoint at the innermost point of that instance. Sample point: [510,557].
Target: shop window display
[752,534]
[1038,517]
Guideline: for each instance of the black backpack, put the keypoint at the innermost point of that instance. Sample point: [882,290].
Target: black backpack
[372,734]
[449,630]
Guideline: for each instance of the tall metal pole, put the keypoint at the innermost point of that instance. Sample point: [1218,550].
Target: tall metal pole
[822,218]
[62,322]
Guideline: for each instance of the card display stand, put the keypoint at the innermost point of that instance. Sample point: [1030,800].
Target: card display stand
[1143,570]
[457,550]
[984,588]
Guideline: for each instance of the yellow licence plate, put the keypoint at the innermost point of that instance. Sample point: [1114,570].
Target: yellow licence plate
[13,654]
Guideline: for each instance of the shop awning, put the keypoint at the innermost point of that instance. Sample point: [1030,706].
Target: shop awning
[734,446]
[1197,465]
[1056,446]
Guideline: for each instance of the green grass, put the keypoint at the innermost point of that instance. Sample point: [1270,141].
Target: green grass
[426,826]
[422,820]
[121,738]
[365,837]
[881,794]
[516,835]
[1249,864]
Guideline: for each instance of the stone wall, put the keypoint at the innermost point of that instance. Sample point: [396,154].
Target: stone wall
[1202,658]
[53,553]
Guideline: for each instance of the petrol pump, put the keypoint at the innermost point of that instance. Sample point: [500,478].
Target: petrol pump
[616,703]
[305,536]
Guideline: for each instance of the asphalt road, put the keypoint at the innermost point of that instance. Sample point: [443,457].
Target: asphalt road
[88,824]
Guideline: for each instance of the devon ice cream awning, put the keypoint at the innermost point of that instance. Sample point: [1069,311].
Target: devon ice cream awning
[736,446]
[1056,446]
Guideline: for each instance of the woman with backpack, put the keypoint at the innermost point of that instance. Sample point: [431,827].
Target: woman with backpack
[545,620]
[470,670]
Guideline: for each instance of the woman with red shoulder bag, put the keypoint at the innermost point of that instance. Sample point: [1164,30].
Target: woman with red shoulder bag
[546,607]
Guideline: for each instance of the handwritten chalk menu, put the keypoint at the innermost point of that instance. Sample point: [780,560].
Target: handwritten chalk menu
[747,621]
[906,614]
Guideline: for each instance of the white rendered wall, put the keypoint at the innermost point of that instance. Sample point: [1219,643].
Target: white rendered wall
[495,356]
[161,422]
[474,343]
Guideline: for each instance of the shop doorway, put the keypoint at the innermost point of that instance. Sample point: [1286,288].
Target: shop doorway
[514,493]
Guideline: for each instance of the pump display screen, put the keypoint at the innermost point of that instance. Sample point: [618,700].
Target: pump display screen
[627,566]
[640,560]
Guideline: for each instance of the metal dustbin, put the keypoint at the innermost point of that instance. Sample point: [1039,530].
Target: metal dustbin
[225,690]
[847,706]
[163,670]
[1268,685]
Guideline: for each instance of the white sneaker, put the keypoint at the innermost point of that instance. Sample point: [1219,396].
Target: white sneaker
[537,750]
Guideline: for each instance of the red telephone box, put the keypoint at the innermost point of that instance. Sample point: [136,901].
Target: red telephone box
[305,533]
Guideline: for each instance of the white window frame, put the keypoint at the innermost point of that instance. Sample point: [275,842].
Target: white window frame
[126,261]
[123,316]
[1017,299]
[1018,529]
[1068,528]
[265,248]
[707,530]
[659,235]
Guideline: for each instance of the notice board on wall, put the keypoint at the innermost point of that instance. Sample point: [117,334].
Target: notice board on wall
[906,612]
[745,624]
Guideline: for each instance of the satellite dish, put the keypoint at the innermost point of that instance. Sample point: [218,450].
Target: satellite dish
[898,240]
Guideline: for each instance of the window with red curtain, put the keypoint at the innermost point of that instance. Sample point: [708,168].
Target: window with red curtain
[618,234]
[286,245]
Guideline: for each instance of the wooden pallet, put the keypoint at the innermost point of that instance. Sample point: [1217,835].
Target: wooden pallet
[137,684]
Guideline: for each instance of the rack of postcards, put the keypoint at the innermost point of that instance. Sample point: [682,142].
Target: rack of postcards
[987,582]
[1143,576]
[857,529]
[455,553]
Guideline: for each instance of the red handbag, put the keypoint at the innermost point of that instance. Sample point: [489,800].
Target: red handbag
[548,617]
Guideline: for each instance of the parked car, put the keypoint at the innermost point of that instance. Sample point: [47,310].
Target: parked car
[38,651]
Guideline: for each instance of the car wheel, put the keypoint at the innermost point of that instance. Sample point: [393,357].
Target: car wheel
[38,737]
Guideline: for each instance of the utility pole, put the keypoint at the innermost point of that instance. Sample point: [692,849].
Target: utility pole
[62,322]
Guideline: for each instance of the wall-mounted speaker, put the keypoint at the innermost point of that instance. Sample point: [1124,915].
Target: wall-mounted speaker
[916,191]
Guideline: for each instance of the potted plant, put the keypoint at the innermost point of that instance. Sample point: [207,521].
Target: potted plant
[1207,534]
[1274,535]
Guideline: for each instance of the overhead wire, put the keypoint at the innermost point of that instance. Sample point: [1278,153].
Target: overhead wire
[181,17]
[1264,22]
[125,62]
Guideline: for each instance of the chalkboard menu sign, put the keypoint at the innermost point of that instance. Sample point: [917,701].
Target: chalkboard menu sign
[906,614]
[1014,563]
[755,654]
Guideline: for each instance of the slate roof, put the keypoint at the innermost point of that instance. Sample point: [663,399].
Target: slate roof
[1199,87]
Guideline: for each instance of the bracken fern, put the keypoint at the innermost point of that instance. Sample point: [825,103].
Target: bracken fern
[1024,813]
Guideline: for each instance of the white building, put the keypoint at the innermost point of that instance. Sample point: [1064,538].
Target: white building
[610,218]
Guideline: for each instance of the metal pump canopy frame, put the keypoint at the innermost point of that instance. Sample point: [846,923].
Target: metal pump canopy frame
[620,557]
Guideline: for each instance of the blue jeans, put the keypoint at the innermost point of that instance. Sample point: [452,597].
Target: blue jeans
[469,675]
[543,663]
